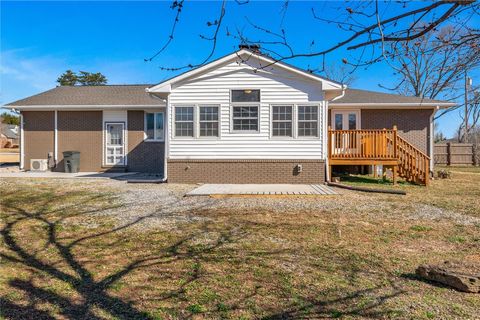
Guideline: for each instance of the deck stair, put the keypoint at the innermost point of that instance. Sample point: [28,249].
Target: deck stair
[379,147]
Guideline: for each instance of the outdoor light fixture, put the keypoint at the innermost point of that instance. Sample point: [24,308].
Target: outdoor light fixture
[247,91]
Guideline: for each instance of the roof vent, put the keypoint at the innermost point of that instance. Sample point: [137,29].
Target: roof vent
[251,47]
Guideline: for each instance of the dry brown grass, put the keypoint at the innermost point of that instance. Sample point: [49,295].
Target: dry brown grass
[59,260]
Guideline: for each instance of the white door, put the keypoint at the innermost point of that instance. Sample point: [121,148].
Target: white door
[346,119]
[114,144]
[346,142]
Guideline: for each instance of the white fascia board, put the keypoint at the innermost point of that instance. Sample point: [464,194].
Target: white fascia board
[409,105]
[166,85]
[82,107]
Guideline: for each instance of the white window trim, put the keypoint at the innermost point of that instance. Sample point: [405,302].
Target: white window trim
[154,122]
[219,121]
[294,126]
[196,121]
[319,122]
[346,111]
[174,122]
[244,104]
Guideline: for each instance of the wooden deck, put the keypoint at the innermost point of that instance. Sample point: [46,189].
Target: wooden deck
[378,147]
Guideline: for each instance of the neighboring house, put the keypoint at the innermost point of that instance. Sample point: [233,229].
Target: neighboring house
[8,135]
[243,118]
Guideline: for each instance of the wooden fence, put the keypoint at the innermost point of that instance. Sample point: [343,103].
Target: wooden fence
[452,154]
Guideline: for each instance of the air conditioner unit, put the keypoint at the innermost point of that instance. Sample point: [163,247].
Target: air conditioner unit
[39,165]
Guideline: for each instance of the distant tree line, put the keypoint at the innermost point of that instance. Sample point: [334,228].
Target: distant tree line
[8,118]
[81,78]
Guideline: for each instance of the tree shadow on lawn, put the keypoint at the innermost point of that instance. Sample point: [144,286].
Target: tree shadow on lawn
[49,210]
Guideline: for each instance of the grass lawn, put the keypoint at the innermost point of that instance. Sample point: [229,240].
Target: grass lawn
[60,258]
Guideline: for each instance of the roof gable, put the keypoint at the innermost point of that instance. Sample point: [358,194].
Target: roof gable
[245,56]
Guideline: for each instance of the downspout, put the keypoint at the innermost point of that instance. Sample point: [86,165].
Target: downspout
[165,136]
[344,88]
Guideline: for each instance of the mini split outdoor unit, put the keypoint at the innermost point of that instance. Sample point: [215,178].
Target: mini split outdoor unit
[38,165]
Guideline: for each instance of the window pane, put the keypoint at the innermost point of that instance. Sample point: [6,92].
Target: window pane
[246,95]
[150,125]
[282,121]
[245,118]
[209,121]
[308,121]
[184,129]
[352,121]
[209,129]
[307,113]
[282,129]
[338,121]
[307,129]
[282,113]
[208,113]
[159,126]
[184,114]
[184,121]
[115,134]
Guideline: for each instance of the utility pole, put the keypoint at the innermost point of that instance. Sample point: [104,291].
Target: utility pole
[465,136]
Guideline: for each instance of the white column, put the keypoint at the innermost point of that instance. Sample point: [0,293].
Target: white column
[22,144]
[55,138]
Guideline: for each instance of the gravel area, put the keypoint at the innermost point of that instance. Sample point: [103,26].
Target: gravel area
[163,206]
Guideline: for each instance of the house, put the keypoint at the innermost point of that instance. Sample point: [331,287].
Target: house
[243,118]
[8,135]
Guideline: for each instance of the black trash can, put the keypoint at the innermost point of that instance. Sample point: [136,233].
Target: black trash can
[71,160]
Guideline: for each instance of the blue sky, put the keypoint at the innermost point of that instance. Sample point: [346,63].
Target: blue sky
[40,40]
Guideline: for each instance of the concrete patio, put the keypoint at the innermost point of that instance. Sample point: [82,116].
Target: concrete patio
[261,189]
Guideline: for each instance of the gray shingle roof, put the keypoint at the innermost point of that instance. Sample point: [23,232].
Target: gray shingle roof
[8,131]
[365,96]
[92,95]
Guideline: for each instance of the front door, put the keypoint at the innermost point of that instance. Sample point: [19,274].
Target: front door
[345,142]
[114,144]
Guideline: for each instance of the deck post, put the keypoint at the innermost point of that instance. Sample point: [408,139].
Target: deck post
[395,141]
[394,174]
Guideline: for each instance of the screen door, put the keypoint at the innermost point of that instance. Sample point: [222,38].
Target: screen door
[114,144]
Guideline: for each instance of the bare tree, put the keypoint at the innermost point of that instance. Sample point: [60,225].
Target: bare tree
[473,114]
[339,73]
[368,26]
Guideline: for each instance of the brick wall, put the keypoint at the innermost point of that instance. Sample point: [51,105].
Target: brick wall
[38,135]
[143,156]
[246,171]
[81,131]
[413,125]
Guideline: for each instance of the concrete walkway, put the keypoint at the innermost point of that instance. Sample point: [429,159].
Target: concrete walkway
[261,189]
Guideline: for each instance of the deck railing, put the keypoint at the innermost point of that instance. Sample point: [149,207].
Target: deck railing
[380,145]
[362,144]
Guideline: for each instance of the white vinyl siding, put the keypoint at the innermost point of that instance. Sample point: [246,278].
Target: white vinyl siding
[277,87]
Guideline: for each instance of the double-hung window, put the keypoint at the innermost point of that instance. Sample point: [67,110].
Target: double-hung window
[154,123]
[245,110]
[308,121]
[282,121]
[184,122]
[208,121]
[245,118]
